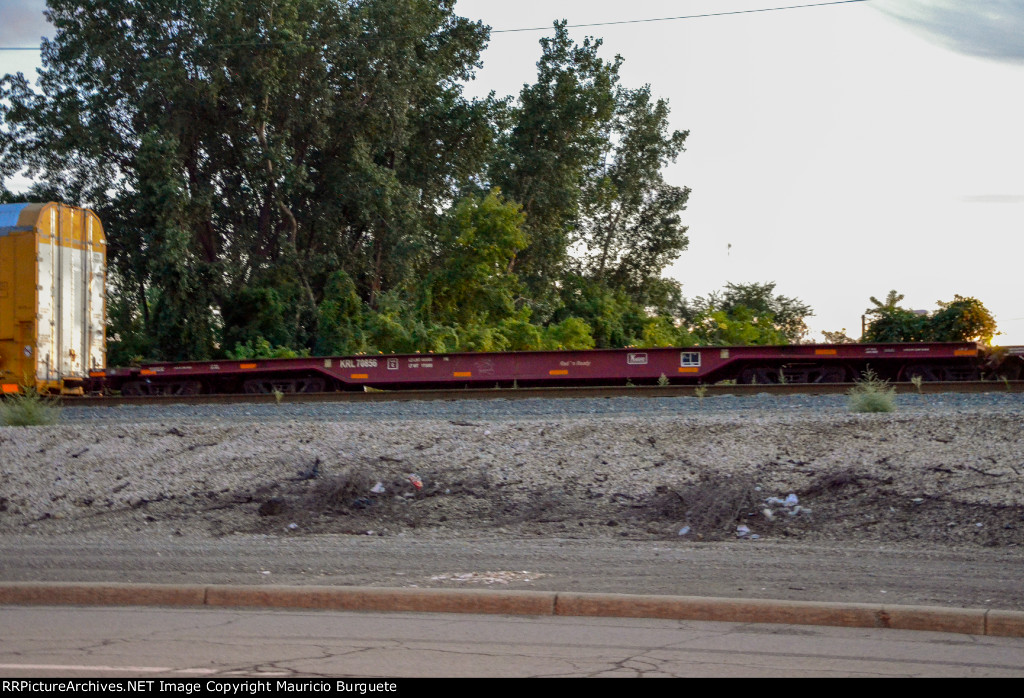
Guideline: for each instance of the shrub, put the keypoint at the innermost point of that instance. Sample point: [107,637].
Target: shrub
[872,394]
[29,409]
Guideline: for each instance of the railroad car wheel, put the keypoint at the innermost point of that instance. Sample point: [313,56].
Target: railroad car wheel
[260,386]
[313,385]
[960,373]
[832,374]
[924,371]
[760,375]
[133,389]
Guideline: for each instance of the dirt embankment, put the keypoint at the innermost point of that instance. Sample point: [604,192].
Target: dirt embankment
[954,479]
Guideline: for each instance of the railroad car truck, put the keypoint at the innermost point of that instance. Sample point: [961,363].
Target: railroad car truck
[52,297]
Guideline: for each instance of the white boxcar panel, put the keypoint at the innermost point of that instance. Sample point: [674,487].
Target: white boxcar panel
[71,278]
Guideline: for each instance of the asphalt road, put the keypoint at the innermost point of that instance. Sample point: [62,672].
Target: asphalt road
[200,645]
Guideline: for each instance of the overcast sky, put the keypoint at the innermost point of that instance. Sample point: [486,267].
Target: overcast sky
[839,151]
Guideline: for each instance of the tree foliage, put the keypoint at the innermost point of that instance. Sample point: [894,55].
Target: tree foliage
[584,156]
[964,319]
[472,281]
[551,143]
[747,314]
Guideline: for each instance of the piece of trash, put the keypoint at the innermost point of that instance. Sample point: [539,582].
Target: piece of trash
[684,530]
[742,531]
[415,480]
[264,571]
[917,500]
[753,536]
[768,514]
[795,510]
[979,525]
[378,488]
[791,500]
[293,526]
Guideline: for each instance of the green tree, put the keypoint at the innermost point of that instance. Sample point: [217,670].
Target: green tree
[550,142]
[472,282]
[584,157]
[613,318]
[342,318]
[570,333]
[747,314]
[661,331]
[964,319]
[738,326]
[892,323]
[630,224]
[839,337]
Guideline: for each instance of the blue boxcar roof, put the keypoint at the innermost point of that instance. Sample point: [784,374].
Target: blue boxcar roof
[9,218]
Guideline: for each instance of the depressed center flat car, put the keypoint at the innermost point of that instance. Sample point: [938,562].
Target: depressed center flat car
[801,363]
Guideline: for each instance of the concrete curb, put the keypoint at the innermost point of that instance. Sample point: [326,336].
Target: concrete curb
[537,603]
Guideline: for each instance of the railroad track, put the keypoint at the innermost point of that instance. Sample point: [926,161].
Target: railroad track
[545,393]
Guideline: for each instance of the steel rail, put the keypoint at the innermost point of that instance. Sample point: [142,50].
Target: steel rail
[639,391]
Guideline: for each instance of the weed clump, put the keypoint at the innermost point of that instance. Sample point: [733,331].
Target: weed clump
[918,381]
[349,489]
[29,409]
[712,506]
[872,394]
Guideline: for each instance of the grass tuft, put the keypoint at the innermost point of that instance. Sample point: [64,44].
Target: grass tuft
[872,394]
[29,409]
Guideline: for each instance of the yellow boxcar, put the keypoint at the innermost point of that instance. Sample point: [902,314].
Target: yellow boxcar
[52,297]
